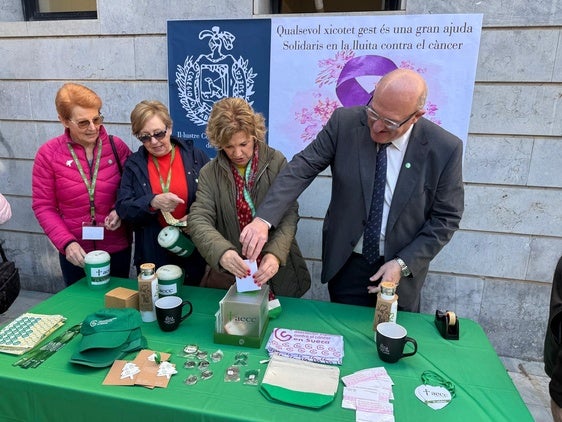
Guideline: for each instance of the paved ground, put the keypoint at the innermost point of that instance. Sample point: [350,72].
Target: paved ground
[528,377]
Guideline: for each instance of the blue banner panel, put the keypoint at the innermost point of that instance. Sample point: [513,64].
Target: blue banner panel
[213,59]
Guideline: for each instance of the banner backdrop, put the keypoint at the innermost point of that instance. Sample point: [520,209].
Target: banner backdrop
[297,70]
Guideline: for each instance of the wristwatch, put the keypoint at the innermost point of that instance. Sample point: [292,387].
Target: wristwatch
[404,268]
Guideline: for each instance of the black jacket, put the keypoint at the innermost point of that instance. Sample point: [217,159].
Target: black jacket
[553,338]
[133,206]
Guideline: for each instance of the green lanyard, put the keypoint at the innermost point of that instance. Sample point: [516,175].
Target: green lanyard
[165,186]
[91,186]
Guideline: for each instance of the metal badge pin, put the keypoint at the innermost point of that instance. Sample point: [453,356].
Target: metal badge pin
[251,377]
[189,364]
[241,355]
[191,349]
[206,374]
[217,356]
[190,380]
[232,374]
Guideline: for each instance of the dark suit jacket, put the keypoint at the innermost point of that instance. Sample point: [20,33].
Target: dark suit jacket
[426,207]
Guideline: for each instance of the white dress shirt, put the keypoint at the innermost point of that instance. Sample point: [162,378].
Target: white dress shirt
[394,158]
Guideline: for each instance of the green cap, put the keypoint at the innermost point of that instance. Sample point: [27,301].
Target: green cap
[108,328]
[103,357]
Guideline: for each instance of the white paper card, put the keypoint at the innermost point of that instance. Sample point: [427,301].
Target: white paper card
[92,232]
[434,396]
[247,284]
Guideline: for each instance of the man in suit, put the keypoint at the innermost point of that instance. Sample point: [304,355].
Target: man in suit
[423,193]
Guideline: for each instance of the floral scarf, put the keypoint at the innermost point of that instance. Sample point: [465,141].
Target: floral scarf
[245,208]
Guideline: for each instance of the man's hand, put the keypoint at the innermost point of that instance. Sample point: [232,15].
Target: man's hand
[390,272]
[269,266]
[75,254]
[253,237]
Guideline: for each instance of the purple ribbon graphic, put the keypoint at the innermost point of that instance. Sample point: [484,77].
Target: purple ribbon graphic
[348,90]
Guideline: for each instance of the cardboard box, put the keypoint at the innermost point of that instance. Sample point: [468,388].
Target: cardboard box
[120,297]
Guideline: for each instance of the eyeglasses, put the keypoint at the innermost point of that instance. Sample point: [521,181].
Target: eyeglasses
[85,124]
[156,135]
[389,124]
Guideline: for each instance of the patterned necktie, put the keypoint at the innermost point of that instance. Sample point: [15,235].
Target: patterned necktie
[372,233]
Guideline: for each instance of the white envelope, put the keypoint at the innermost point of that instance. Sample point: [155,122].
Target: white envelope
[247,284]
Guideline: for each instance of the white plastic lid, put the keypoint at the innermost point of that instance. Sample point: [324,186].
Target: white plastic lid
[168,236]
[169,272]
[97,257]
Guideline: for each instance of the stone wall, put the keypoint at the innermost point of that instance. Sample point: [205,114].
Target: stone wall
[496,270]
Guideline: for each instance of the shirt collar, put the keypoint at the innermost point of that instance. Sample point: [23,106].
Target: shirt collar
[402,142]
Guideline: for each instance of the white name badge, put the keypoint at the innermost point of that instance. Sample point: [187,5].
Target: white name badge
[92,232]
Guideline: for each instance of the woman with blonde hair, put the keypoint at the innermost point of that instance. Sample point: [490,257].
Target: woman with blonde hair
[230,188]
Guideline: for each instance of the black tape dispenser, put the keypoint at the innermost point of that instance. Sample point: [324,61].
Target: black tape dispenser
[448,324]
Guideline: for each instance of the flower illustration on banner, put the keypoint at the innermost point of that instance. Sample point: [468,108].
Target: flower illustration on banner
[315,118]
[431,112]
[406,64]
[331,70]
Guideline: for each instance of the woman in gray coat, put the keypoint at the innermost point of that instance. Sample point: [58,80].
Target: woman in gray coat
[230,188]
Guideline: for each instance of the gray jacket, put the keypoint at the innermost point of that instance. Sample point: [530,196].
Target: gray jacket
[426,208]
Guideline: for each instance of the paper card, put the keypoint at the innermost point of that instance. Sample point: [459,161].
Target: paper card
[367,376]
[92,232]
[434,396]
[123,372]
[247,284]
[370,411]
[351,395]
[149,369]
[114,376]
[148,377]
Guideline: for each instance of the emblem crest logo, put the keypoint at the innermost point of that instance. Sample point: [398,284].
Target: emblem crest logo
[206,79]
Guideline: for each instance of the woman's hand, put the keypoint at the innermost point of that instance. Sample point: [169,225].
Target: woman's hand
[269,266]
[112,221]
[234,264]
[75,254]
[166,201]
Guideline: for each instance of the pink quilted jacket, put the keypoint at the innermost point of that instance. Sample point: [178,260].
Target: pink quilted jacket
[5,209]
[60,198]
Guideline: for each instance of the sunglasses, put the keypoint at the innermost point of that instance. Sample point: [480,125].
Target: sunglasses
[156,135]
[85,124]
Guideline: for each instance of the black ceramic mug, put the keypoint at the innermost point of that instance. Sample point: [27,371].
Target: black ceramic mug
[391,339]
[169,312]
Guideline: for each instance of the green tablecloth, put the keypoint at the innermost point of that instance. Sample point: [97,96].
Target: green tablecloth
[60,391]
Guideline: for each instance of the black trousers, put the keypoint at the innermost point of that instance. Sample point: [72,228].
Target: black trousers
[349,285]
